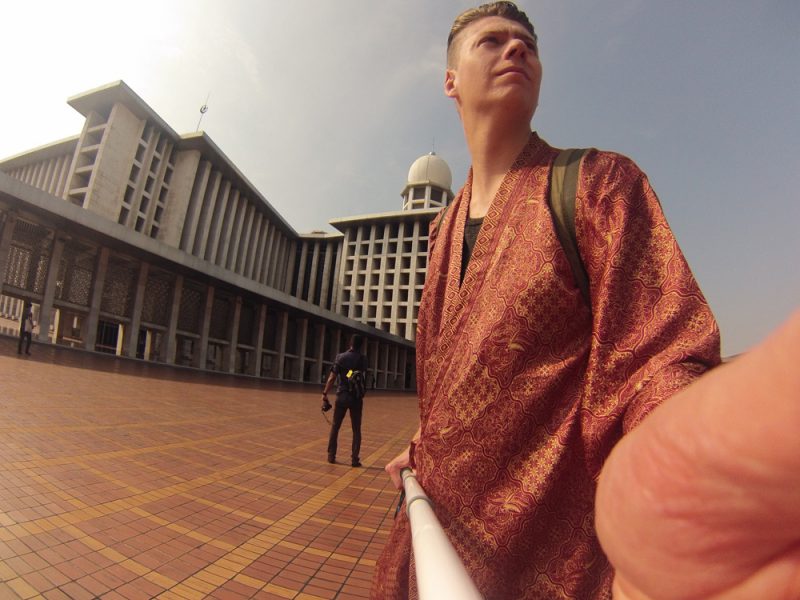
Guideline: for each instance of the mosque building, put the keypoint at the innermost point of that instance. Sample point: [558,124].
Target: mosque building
[134,240]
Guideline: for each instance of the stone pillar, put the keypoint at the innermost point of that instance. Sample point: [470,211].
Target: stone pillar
[46,308]
[301,351]
[313,281]
[319,353]
[261,247]
[283,325]
[326,276]
[402,367]
[337,343]
[202,353]
[234,336]
[136,316]
[259,343]
[236,233]
[374,354]
[172,329]
[226,236]
[255,240]
[384,359]
[90,332]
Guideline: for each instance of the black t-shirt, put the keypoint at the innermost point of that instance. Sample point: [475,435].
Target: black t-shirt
[471,231]
[346,361]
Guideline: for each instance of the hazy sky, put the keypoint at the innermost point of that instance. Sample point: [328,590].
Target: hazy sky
[324,105]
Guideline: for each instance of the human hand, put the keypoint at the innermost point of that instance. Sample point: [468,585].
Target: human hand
[702,500]
[397,464]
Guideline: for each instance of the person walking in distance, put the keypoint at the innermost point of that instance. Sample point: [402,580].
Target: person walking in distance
[25,330]
[349,374]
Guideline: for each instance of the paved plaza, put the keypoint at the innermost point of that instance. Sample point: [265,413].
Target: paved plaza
[121,479]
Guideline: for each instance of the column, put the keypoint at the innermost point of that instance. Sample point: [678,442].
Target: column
[136,317]
[373,354]
[303,332]
[234,336]
[339,271]
[402,367]
[283,324]
[330,248]
[313,282]
[46,309]
[217,220]
[384,356]
[172,328]
[337,343]
[301,269]
[90,333]
[226,238]
[236,234]
[262,322]
[202,354]
[262,243]
[316,374]
[255,240]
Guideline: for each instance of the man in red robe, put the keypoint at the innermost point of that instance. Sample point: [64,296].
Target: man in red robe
[524,389]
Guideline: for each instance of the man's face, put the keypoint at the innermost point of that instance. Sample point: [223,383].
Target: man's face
[494,63]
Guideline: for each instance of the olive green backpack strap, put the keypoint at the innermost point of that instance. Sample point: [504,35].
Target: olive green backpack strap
[563,188]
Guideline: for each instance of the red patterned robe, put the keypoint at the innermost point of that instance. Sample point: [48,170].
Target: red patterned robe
[524,390]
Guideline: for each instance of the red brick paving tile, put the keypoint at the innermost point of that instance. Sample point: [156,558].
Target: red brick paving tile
[262,571]
[113,595]
[320,591]
[225,594]
[93,584]
[107,579]
[239,588]
[38,581]
[140,589]
[265,595]
[288,582]
[54,576]
[120,573]
[329,581]
[77,592]
[55,594]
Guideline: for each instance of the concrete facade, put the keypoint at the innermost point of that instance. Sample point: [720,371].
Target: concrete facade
[130,239]
[384,256]
[134,240]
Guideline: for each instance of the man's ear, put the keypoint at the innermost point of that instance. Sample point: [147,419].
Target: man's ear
[450,83]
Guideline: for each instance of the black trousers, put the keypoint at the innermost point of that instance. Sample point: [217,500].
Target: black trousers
[24,337]
[343,404]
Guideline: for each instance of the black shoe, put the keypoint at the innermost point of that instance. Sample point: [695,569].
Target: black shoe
[356,463]
[332,460]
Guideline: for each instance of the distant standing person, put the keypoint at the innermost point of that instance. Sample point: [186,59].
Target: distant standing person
[25,330]
[349,372]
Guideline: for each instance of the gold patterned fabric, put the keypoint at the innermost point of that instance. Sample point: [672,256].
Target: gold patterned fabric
[524,390]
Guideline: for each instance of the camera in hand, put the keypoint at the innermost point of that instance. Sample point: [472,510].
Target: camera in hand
[326,406]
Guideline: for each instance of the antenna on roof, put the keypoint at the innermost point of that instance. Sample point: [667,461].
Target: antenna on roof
[433,145]
[203,110]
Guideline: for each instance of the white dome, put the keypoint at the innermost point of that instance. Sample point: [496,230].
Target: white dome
[430,170]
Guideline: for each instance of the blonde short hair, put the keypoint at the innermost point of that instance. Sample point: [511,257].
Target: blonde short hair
[506,10]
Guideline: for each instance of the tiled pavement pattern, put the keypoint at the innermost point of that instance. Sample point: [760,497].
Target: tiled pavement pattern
[125,480]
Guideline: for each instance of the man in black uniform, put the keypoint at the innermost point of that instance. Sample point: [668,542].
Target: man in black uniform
[25,330]
[347,367]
